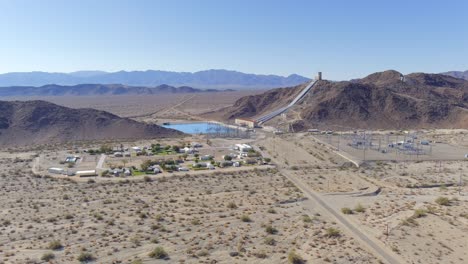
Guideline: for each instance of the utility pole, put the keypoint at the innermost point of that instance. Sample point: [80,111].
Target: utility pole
[388,231]
[460,184]
[364,150]
[339,136]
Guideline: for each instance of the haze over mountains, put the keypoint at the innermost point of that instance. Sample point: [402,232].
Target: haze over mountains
[457,74]
[39,122]
[379,101]
[209,79]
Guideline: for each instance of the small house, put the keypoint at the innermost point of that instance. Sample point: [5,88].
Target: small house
[206,157]
[200,165]
[210,166]
[136,149]
[71,159]
[225,163]
[244,147]
[196,145]
[117,172]
[188,150]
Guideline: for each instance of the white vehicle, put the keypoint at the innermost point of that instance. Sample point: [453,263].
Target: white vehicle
[466,156]
[183,169]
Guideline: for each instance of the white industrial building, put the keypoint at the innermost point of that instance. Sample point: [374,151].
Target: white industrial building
[56,170]
[86,173]
[243,147]
[245,122]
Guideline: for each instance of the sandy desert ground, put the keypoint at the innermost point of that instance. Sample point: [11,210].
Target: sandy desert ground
[411,210]
[419,212]
[150,107]
[254,217]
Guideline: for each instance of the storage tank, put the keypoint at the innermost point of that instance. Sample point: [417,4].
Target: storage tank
[319,76]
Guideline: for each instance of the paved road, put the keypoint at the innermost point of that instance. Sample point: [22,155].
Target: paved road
[379,250]
[101,162]
[165,108]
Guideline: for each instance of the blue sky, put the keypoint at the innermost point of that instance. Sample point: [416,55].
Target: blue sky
[344,39]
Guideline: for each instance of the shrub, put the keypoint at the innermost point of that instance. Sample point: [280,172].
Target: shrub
[346,210]
[333,232]
[245,218]
[85,257]
[271,230]
[294,258]
[158,253]
[418,213]
[443,201]
[232,205]
[270,241]
[359,208]
[271,211]
[410,221]
[48,256]
[55,245]
[306,219]
[260,254]
[147,179]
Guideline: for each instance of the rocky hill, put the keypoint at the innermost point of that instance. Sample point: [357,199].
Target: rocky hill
[39,122]
[380,101]
[95,89]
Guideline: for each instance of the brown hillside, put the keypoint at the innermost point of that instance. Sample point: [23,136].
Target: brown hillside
[379,101]
[39,122]
[256,105]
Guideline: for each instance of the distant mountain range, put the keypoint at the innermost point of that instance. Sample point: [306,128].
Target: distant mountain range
[210,79]
[457,74]
[96,89]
